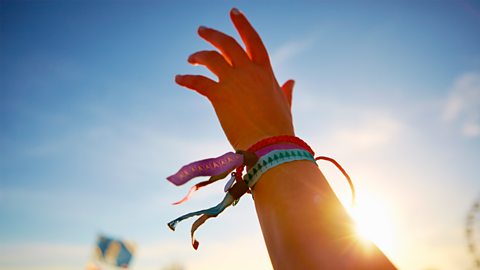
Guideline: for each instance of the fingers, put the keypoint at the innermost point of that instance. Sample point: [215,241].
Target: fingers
[287,89]
[213,60]
[253,43]
[199,83]
[229,47]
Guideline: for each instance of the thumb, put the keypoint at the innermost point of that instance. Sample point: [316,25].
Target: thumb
[287,89]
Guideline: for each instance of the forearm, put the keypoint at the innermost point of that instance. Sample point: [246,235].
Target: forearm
[304,224]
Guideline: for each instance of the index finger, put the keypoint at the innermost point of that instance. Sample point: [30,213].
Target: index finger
[253,43]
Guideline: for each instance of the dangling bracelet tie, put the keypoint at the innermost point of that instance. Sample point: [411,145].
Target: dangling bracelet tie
[259,158]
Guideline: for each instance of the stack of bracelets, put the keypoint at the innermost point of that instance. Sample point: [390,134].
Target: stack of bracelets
[259,158]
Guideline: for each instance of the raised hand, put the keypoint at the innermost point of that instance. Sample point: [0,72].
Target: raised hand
[247,98]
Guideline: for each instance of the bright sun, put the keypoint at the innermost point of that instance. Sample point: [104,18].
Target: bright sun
[374,222]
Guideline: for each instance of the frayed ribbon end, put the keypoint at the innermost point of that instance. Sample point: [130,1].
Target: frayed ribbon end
[195,244]
[172,225]
[202,184]
[189,194]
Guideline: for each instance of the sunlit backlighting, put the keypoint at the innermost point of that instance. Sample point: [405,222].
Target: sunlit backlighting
[374,223]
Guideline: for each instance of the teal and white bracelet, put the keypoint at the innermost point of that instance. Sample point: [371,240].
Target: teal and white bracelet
[273,159]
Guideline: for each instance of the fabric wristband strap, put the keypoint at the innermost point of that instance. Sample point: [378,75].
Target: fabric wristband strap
[273,159]
[265,143]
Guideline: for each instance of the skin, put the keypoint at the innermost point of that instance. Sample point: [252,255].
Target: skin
[303,223]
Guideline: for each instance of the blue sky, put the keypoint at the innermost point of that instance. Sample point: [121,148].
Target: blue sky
[91,123]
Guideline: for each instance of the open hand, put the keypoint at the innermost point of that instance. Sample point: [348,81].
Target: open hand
[247,98]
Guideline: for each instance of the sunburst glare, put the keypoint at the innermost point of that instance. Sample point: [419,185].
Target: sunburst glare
[374,222]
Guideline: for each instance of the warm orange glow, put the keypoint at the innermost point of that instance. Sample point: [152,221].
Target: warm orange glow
[374,223]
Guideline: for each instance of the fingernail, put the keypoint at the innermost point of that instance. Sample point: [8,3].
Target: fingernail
[235,11]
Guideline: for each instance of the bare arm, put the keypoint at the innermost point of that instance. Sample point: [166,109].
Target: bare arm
[303,223]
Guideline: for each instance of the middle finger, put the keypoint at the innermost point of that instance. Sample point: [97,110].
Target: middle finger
[229,47]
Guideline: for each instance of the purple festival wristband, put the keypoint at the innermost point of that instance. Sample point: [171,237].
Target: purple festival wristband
[206,167]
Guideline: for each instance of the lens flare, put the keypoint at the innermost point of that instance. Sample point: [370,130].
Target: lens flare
[373,223]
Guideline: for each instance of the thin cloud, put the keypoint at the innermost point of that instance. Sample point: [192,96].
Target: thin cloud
[463,104]
[290,49]
[369,130]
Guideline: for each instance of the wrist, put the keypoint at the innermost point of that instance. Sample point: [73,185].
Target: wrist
[269,154]
[254,137]
[278,155]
